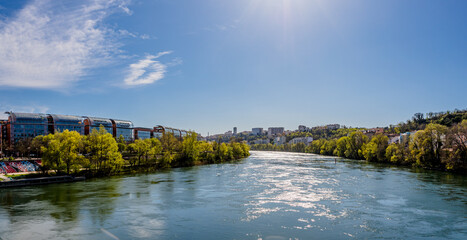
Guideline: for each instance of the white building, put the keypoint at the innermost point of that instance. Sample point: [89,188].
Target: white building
[280,140]
[305,140]
[272,131]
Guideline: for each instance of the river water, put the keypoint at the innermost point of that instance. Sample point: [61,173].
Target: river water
[270,195]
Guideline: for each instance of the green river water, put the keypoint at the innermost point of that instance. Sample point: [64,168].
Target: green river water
[270,195]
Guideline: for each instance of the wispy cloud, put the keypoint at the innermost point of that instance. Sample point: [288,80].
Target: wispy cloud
[146,71]
[51,44]
[16,108]
[223,27]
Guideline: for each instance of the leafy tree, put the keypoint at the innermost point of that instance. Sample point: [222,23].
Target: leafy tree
[141,148]
[155,149]
[170,146]
[121,144]
[61,151]
[375,150]
[328,147]
[102,150]
[396,153]
[457,141]
[206,152]
[341,146]
[354,145]
[427,145]
[190,150]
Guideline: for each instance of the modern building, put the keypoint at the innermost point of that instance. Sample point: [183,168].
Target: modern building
[302,128]
[61,123]
[29,125]
[305,140]
[25,125]
[257,131]
[235,131]
[143,133]
[273,131]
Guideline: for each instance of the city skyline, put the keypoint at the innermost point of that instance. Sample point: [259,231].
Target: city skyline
[210,65]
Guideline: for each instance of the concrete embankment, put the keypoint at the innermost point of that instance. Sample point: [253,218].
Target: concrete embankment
[39,181]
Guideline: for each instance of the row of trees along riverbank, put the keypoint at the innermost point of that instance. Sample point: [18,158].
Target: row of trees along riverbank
[435,147]
[101,154]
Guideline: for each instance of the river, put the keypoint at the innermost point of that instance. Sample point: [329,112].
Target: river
[269,195]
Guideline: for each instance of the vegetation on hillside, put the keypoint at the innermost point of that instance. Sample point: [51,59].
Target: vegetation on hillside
[436,146]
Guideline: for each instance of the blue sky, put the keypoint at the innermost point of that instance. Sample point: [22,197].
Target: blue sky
[211,65]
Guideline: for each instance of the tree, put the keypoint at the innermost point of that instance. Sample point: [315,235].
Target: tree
[190,149]
[427,145]
[61,151]
[328,147]
[141,147]
[70,144]
[457,142]
[155,149]
[396,153]
[354,145]
[170,146]
[375,150]
[103,152]
[341,146]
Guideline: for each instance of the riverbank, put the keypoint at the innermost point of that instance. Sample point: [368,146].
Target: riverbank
[383,163]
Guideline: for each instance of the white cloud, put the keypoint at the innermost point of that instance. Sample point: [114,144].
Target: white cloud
[146,71]
[27,109]
[51,44]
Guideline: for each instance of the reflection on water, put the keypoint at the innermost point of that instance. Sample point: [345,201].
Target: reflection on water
[270,195]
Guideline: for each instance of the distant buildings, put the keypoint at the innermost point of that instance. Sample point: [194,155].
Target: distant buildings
[257,131]
[333,126]
[280,140]
[261,141]
[235,130]
[20,126]
[302,128]
[305,140]
[273,131]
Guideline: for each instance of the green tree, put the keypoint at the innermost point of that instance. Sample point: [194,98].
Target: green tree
[328,147]
[375,150]
[396,153]
[103,152]
[457,142]
[61,151]
[427,145]
[155,150]
[170,147]
[190,150]
[341,146]
[354,145]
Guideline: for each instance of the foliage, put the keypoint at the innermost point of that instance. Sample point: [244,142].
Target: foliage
[375,150]
[426,147]
[61,151]
[102,152]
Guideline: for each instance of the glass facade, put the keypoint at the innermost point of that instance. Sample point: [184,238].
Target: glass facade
[27,125]
[125,129]
[95,123]
[158,135]
[144,134]
[70,123]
